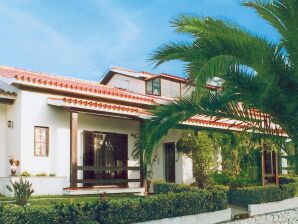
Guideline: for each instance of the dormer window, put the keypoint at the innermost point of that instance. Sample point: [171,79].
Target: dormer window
[153,87]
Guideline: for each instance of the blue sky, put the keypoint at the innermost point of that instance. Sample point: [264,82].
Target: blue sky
[82,38]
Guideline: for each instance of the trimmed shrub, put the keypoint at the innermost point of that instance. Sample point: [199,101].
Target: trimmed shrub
[162,187]
[288,179]
[119,211]
[232,181]
[160,206]
[259,194]
[74,213]
[26,215]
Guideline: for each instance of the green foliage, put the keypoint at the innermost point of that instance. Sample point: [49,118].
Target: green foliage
[187,143]
[121,211]
[200,148]
[27,215]
[22,190]
[161,206]
[203,162]
[259,194]
[74,213]
[52,175]
[162,187]
[232,181]
[256,73]
[285,179]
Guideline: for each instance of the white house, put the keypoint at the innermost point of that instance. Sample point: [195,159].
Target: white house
[83,132]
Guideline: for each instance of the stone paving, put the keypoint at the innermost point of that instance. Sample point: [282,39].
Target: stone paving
[284,217]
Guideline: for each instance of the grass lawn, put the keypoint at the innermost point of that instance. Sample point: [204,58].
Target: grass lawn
[51,199]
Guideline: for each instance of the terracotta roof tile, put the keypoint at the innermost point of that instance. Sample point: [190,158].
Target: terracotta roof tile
[101,105]
[38,78]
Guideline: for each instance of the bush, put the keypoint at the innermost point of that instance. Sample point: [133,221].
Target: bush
[21,215]
[22,190]
[288,179]
[119,211]
[259,194]
[74,213]
[232,181]
[162,187]
[160,206]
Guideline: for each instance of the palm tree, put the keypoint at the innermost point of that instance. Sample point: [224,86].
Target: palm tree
[257,73]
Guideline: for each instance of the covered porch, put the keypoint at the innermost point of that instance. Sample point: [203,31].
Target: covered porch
[102,137]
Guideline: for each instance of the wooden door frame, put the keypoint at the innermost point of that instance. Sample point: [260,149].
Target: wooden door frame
[103,132]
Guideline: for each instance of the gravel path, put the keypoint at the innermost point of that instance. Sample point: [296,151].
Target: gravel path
[284,217]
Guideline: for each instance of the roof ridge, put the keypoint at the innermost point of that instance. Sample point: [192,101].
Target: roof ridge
[51,75]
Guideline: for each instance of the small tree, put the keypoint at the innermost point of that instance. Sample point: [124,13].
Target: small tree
[22,190]
[200,149]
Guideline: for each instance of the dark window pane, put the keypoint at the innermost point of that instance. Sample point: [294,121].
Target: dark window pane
[149,87]
[156,86]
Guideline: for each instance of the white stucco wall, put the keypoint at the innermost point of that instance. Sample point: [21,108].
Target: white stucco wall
[183,166]
[13,134]
[129,83]
[31,109]
[3,128]
[170,88]
[36,112]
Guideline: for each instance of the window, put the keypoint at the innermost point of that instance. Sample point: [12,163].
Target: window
[153,87]
[41,141]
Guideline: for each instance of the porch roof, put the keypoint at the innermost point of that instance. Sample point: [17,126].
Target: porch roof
[116,109]
[98,106]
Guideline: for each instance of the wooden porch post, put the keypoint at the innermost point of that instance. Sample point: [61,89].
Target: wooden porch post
[263,167]
[276,168]
[73,148]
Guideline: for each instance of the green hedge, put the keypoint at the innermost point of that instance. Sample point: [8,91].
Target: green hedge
[259,194]
[288,179]
[161,206]
[162,187]
[20,215]
[119,211]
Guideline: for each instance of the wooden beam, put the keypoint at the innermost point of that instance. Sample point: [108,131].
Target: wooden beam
[105,168]
[107,181]
[73,148]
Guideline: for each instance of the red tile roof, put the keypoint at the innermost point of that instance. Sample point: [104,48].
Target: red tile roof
[43,80]
[91,104]
[218,123]
[164,75]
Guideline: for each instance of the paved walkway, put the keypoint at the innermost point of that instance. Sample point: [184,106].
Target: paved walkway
[284,217]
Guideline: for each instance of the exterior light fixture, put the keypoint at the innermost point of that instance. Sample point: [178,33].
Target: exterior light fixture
[10,124]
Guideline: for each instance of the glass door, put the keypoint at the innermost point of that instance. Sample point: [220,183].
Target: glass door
[107,153]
